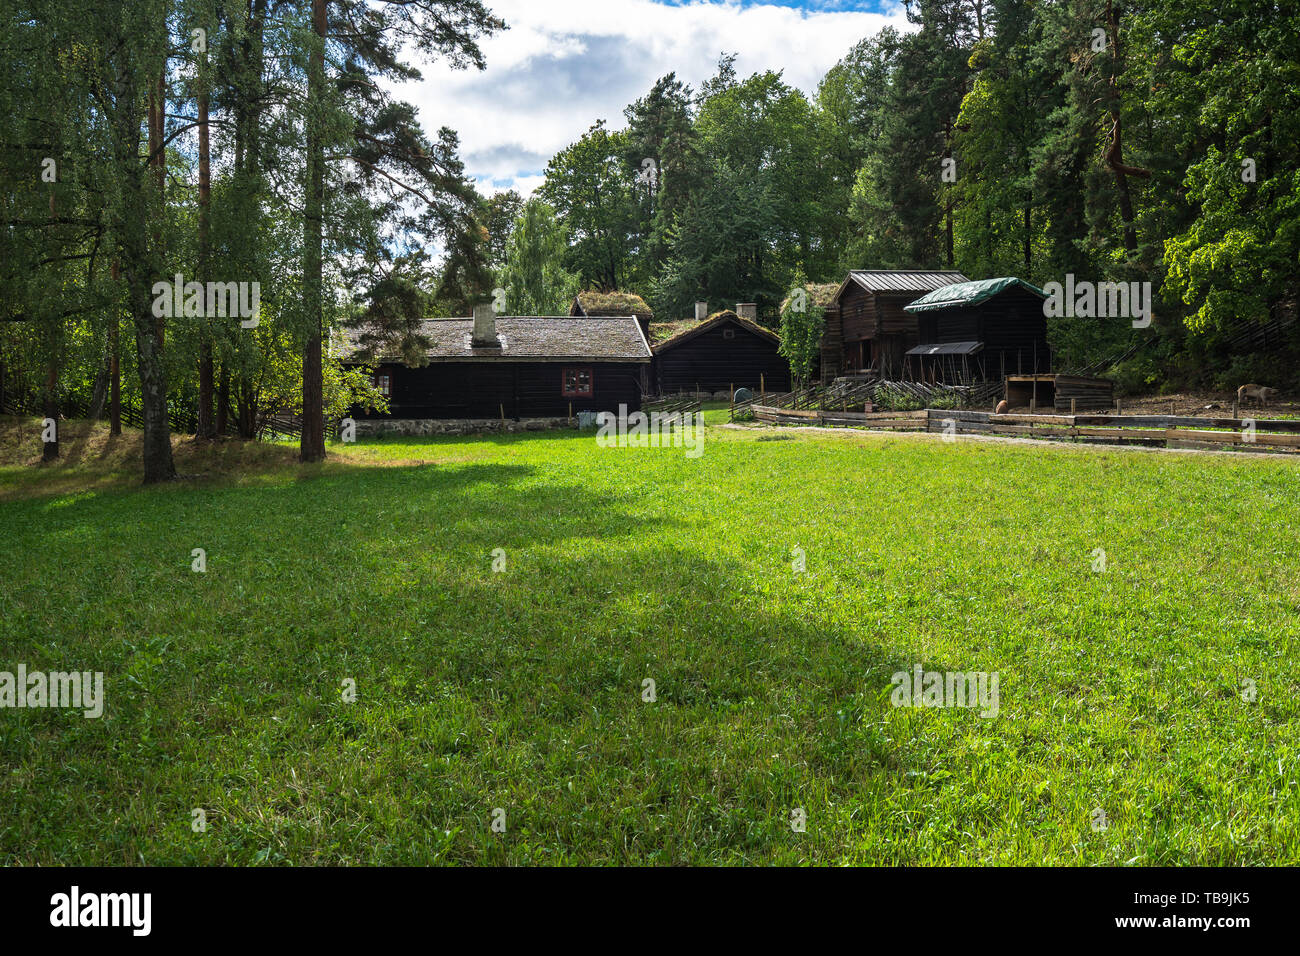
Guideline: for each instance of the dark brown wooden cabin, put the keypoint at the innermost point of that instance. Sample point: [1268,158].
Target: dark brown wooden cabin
[980,331]
[722,352]
[541,368]
[611,304]
[870,331]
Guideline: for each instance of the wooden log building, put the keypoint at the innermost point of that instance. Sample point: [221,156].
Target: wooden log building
[515,367]
[867,327]
[979,331]
[722,352]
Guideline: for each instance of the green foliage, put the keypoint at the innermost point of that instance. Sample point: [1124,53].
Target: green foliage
[590,187]
[802,323]
[534,278]
[891,399]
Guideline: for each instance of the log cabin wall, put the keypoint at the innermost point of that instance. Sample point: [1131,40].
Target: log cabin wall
[1011,326]
[716,359]
[522,389]
[832,350]
[874,328]
[857,314]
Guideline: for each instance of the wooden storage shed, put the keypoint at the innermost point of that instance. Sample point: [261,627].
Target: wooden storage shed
[980,331]
[1066,394]
[867,327]
[719,353]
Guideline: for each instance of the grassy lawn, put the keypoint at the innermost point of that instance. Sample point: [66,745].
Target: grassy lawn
[1120,691]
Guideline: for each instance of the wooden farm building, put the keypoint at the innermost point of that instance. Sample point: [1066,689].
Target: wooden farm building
[518,367]
[867,326]
[979,331]
[611,304]
[722,352]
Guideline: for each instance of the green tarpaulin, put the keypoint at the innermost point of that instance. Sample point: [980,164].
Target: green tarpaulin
[969,293]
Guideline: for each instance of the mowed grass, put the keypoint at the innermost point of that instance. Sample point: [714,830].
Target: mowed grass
[522,690]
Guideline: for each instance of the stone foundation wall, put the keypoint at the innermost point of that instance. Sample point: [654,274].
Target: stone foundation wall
[723,396]
[457,426]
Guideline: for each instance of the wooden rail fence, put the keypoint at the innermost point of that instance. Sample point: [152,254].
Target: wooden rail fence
[1157,430]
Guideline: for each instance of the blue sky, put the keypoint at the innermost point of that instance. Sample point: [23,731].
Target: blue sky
[564,64]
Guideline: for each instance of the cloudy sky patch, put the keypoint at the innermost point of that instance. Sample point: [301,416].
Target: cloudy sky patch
[564,64]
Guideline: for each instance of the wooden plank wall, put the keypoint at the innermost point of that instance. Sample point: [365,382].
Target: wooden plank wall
[523,389]
[713,363]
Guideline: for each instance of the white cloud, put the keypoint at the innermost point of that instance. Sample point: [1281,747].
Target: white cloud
[563,65]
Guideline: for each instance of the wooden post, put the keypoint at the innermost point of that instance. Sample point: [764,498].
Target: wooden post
[762,387]
[1074,409]
[503,415]
[1235,414]
[570,412]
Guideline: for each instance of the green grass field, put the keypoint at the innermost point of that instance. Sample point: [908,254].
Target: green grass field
[1120,692]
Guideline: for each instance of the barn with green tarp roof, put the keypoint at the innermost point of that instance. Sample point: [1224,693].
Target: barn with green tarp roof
[980,331]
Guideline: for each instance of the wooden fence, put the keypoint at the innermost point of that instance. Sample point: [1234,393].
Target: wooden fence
[672,406]
[1155,430]
[910,421]
[846,399]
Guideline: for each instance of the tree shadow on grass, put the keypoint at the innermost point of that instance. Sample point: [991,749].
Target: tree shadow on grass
[522,687]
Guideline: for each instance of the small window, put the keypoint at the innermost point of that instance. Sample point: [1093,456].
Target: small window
[728,333]
[577,383]
[384,383]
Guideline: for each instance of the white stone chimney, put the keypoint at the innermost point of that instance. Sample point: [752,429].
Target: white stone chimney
[747,310]
[701,311]
[485,327]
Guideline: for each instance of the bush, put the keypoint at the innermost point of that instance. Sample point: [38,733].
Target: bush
[895,400]
[1257,368]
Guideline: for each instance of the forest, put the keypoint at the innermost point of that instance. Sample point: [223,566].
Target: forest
[155,152]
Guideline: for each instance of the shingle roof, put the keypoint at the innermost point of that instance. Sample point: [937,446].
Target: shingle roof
[713,321]
[889,280]
[531,339]
[969,293]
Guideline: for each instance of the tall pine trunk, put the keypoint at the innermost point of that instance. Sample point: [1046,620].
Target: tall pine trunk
[50,409]
[223,401]
[114,361]
[312,444]
[157,122]
[140,266]
[206,426]
[1115,150]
